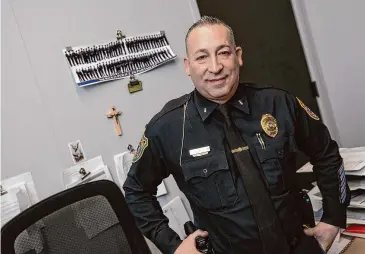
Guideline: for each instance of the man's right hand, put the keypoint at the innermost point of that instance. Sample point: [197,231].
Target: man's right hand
[188,246]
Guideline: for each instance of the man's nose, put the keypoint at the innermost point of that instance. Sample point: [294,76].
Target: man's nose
[215,65]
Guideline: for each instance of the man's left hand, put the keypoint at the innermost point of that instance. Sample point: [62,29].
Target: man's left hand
[324,233]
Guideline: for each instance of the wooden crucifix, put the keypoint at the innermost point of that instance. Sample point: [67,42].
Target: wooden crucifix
[114,115]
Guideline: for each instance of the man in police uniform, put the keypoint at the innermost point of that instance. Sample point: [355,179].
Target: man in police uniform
[191,138]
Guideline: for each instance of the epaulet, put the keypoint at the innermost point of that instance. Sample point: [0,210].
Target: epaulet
[266,86]
[169,106]
[258,86]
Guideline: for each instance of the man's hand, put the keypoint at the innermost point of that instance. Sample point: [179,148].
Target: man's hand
[324,233]
[188,245]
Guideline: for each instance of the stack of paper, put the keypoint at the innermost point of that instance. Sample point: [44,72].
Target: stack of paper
[17,194]
[354,164]
[9,206]
[353,160]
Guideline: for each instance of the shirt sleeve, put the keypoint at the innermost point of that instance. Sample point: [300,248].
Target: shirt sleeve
[147,172]
[313,138]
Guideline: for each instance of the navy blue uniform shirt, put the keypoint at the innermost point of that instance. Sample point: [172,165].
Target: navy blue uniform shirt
[210,179]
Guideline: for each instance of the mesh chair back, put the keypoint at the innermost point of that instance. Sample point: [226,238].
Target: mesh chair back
[86,219]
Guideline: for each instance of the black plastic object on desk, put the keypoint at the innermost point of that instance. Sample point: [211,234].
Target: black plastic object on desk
[203,244]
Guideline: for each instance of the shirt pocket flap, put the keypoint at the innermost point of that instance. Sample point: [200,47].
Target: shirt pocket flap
[276,149]
[267,154]
[204,167]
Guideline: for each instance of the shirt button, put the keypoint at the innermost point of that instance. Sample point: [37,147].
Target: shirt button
[281,152]
[205,171]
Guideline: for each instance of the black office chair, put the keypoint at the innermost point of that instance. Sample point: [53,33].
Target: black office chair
[90,218]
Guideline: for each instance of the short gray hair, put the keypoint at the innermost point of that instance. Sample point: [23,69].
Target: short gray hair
[208,20]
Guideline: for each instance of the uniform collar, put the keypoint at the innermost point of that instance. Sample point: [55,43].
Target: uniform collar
[239,99]
[206,107]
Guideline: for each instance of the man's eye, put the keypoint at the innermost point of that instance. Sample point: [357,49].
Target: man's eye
[201,57]
[226,53]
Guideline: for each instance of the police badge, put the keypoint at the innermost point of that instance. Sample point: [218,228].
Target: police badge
[269,125]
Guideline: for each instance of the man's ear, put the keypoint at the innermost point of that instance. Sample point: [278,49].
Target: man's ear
[187,65]
[239,55]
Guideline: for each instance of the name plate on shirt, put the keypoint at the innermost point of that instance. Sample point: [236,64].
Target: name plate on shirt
[200,151]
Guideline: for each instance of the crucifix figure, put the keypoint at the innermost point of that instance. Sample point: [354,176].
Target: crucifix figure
[114,114]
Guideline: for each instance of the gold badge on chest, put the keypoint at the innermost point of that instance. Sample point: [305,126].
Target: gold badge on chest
[269,125]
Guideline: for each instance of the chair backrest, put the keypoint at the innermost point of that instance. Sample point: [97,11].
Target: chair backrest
[89,218]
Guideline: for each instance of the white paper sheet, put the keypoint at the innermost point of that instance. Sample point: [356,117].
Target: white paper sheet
[122,160]
[98,171]
[306,168]
[356,214]
[102,173]
[316,198]
[355,221]
[358,199]
[9,205]
[161,189]
[176,213]
[356,173]
[72,173]
[353,149]
[356,184]
[353,159]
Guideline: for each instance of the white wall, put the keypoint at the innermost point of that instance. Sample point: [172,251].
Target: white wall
[42,109]
[338,33]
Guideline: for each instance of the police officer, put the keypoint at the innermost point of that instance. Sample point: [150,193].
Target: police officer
[231,149]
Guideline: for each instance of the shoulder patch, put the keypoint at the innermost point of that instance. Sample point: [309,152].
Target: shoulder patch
[143,144]
[309,112]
